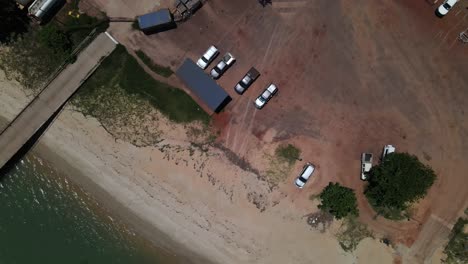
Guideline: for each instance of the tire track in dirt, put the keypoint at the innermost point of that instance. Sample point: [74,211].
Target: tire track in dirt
[288,8]
[232,145]
[245,142]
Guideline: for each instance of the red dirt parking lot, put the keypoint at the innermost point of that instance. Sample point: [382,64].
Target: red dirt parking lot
[352,77]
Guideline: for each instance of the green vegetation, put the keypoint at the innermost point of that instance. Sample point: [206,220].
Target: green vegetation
[456,249]
[135,25]
[12,20]
[281,163]
[338,200]
[161,70]
[288,153]
[122,70]
[351,233]
[396,183]
[43,49]
[55,39]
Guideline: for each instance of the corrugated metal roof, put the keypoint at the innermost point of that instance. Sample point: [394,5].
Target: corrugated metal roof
[202,85]
[154,19]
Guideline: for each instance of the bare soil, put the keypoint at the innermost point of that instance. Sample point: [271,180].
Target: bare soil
[352,77]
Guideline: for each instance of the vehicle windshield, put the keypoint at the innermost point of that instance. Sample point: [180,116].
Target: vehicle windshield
[447,6]
[302,179]
[204,59]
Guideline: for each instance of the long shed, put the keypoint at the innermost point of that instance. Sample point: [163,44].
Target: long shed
[203,86]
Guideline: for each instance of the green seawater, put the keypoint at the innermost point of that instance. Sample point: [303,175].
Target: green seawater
[46,219]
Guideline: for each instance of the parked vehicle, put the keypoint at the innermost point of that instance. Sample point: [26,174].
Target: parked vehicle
[366,165]
[305,175]
[263,98]
[388,149]
[222,66]
[208,57]
[445,7]
[248,79]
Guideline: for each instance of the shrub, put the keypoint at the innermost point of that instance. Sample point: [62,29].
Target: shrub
[338,200]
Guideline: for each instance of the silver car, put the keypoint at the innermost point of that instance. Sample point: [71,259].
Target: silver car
[248,79]
[222,66]
[263,98]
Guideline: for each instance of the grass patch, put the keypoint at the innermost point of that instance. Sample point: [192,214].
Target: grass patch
[351,233]
[161,70]
[391,213]
[135,25]
[456,249]
[288,153]
[122,70]
[281,163]
[43,49]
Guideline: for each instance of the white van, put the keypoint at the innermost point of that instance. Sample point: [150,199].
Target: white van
[306,173]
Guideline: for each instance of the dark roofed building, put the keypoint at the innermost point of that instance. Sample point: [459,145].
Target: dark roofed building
[155,22]
[203,86]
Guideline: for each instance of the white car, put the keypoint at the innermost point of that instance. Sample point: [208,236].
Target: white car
[305,175]
[266,96]
[445,7]
[208,57]
[388,149]
[222,66]
[366,165]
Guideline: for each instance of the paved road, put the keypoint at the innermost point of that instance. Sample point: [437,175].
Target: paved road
[52,97]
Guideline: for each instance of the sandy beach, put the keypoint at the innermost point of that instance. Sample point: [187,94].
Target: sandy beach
[195,201]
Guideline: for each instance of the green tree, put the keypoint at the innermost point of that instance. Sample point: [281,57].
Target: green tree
[52,37]
[398,181]
[338,200]
[12,19]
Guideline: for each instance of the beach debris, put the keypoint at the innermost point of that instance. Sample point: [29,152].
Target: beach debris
[320,220]
[259,200]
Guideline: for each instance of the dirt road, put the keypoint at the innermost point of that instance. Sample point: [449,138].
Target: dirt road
[352,76]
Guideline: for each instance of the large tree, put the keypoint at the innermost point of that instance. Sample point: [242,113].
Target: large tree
[12,19]
[398,181]
[338,200]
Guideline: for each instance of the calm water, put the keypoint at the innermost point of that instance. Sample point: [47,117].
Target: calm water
[44,218]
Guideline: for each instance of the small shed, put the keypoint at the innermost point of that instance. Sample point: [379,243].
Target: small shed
[203,86]
[155,22]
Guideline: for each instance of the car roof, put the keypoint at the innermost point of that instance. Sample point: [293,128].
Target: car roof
[307,172]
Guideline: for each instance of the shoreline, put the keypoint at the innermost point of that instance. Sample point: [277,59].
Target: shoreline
[197,204]
[143,228]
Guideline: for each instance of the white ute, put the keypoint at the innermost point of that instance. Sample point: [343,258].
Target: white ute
[222,66]
[366,165]
[306,173]
[445,7]
[207,57]
[387,150]
[266,96]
